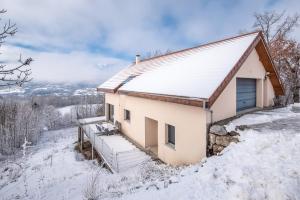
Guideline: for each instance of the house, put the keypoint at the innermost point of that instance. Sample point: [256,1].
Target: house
[166,103]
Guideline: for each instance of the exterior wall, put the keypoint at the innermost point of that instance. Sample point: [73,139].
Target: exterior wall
[269,93]
[225,106]
[189,122]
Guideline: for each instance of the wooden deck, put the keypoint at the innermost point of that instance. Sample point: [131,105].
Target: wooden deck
[115,150]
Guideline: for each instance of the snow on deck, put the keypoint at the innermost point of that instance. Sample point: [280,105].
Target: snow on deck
[118,143]
[118,153]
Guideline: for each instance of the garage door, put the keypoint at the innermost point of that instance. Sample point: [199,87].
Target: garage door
[245,93]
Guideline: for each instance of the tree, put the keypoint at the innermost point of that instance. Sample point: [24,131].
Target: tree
[17,75]
[156,53]
[284,50]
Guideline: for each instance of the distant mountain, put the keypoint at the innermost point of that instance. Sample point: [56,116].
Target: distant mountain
[46,88]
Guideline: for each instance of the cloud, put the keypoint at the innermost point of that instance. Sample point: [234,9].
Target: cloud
[132,26]
[66,35]
[66,67]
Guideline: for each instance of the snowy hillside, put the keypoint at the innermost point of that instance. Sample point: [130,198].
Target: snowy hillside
[264,165]
[46,88]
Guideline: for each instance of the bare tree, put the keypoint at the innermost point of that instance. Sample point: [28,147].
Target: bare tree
[275,25]
[17,75]
[285,51]
[155,54]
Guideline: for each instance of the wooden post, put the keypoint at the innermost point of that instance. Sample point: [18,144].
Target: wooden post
[79,134]
[93,146]
[82,139]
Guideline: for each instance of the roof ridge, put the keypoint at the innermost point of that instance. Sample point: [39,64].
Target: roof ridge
[200,46]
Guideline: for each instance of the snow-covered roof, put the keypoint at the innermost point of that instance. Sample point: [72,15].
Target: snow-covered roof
[195,73]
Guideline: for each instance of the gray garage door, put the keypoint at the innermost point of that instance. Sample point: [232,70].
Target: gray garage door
[245,93]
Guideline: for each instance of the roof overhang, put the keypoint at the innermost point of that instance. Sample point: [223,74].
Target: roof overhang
[167,98]
[106,90]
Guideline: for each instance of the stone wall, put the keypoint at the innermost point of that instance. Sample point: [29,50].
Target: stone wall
[219,138]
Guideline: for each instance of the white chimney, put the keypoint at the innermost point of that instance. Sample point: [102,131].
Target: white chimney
[137,59]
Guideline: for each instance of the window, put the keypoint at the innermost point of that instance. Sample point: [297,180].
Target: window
[110,109]
[127,115]
[170,134]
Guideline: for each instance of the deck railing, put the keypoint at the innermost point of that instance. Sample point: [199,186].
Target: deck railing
[116,160]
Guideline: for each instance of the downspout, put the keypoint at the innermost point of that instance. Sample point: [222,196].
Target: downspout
[207,109]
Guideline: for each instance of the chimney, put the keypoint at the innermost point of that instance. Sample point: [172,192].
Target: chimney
[137,59]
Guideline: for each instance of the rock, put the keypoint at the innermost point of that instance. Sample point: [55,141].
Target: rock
[223,140]
[218,130]
[241,127]
[173,179]
[212,138]
[217,149]
[235,140]
[296,109]
[233,133]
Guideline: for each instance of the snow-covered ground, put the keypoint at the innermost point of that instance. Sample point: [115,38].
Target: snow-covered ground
[54,170]
[68,109]
[264,165]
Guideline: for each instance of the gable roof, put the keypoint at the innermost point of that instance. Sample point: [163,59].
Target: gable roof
[193,75]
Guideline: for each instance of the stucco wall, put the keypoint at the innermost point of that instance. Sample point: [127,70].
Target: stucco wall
[189,122]
[225,106]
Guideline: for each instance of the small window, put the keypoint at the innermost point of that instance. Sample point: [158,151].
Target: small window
[170,134]
[127,115]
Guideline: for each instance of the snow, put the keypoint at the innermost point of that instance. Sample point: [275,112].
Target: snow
[108,126]
[196,74]
[118,143]
[11,90]
[54,170]
[50,171]
[66,109]
[181,71]
[261,117]
[263,165]
[90,129]
[118,153]
[91,120]
[86,91]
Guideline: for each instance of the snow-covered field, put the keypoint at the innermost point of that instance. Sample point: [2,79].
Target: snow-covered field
[69,109]
[264,165]
[54,170]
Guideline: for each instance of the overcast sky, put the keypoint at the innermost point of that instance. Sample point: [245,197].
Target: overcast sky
[89,40]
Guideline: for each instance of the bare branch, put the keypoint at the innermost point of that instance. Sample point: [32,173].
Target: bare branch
[275,25]
[15,75]
[284,50]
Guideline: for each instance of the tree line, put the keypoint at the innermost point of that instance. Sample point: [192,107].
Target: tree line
[26,119]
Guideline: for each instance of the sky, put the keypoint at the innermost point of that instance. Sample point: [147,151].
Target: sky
[90,40]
